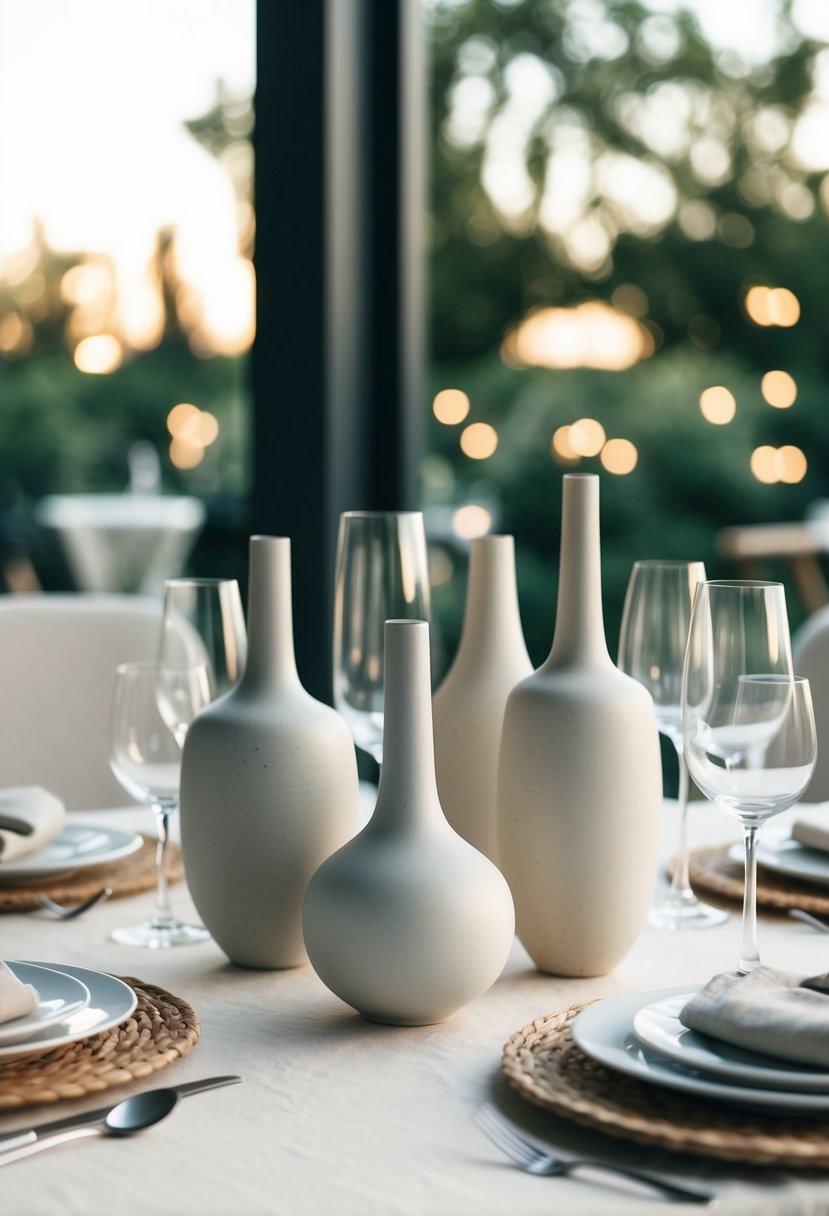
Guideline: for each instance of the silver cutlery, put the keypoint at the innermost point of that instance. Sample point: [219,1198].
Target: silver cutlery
[534,1160]
[808,919]
[125,1119]
[64,912]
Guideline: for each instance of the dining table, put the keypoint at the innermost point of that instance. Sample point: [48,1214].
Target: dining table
[336,1114]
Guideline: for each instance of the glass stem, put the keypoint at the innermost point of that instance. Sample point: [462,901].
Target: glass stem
[749,954]
[681,882]
[163,914]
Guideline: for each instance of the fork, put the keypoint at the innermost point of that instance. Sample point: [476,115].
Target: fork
[808,919]
[62,912]
[538,1161]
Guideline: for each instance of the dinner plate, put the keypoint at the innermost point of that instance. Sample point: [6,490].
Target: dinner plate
[60,996]
[658,1026]
[604,1031]
[77,846]
[777,851]
[110,1002]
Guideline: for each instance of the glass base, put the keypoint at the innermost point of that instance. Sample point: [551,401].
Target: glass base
[159,937]
[685,912]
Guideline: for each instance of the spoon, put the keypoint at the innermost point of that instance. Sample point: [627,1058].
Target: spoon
[808,919]
[62,912]
[128,1117]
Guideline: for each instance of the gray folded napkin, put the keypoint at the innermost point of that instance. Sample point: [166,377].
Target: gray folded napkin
[16,998]
[29,818]
[812,827]
[774,1012]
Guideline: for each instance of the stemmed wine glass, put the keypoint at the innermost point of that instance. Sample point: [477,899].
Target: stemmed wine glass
[652,645]
[145,757]
[748,723]
[202,625]
[382,573]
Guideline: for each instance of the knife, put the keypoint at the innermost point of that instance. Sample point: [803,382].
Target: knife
[21,1144]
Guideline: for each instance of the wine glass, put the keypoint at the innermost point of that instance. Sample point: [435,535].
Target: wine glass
[203,625]
[382,573]
[748,723]
[145,756]
[652,646]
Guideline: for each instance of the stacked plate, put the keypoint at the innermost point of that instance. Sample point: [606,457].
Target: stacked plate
[640,1034]
[73,1002]
[78,846]
[777,851]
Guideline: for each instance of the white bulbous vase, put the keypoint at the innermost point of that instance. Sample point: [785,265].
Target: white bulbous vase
[268,785]
[408,922]
[469,705]
[580,777]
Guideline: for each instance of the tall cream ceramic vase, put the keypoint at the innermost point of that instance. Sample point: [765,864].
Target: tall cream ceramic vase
[469,705]
[268,785]
[580,779]
[408,922]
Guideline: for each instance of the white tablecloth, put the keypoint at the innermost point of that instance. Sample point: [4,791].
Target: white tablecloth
[337,1115]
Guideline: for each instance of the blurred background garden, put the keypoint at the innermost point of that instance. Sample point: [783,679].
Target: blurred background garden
[627,246]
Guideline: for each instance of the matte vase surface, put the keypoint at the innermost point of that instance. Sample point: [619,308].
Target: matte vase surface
[580,778]
[268,787]
[469,705]
[408,922]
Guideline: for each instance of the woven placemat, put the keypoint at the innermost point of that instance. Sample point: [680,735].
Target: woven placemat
[544,1064]
[713,873]
[127,876]
[161,1029]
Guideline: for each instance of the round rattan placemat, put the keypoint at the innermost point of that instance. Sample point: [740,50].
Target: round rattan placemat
[544,1064]
[160,1030]
[713,873]
[127,876]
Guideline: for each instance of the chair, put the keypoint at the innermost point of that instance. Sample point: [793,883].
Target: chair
[810,651]
[58,655]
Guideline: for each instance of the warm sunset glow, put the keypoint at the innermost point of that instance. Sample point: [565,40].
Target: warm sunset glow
[479,440]
[772,306]
[88,283]
[561,448]
[98,355]
[779,389]
[619,456]
[590,335]
[450,406]
[140,315]
[228,295]
[586,437]
[471,520]
[717,405]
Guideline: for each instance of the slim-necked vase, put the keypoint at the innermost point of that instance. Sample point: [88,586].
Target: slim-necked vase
[408,922]
[580,778]
[268,785]
[469,705]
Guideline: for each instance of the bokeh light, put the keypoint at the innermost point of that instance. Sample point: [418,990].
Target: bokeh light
[471,520]
[763,464]
[586,437]
[450,406]
[768,306]
[479,440]
[98,355]
[619,456]
[560,447]
[787,464]
[779,389]
[717,404]
[590,335]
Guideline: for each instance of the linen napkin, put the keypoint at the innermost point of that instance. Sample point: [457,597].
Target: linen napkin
[812,827]
[29,818]
[774,1012]
[16,998]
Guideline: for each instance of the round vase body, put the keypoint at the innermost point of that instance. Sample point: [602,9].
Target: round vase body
[268,786]
[408,922]
[469,705]
[580,778]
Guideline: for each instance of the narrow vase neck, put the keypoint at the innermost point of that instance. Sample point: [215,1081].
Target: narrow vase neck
[492,620]
[408,795]
[579,635]
[271,660]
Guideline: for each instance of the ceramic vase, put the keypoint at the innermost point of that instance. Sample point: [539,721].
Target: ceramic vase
[469,705]
[580,779]
[268,785]
[408,922]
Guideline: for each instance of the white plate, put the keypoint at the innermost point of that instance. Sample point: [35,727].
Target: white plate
[777,851]
[604,1031]
[76,846]
[658,1026]
[110,1002]
[59,995]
